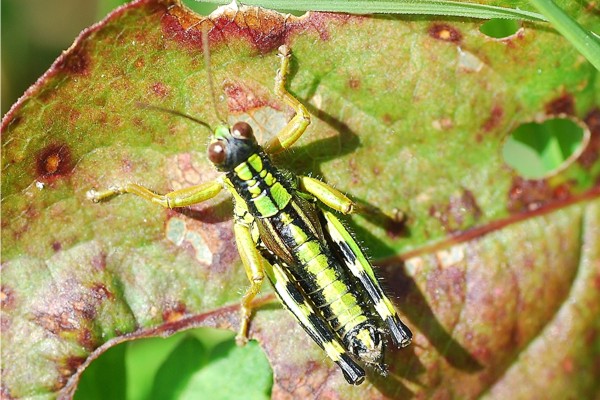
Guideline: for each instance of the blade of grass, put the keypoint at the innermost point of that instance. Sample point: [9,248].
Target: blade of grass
[415,7]
[583,40]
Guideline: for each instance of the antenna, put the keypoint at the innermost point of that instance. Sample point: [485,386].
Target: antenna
[174,112]
[206,51]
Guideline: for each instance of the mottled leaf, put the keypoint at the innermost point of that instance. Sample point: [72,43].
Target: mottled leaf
[498,276]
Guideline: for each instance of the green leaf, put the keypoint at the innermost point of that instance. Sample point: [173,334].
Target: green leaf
[413,7]
[587,42]
[496,274]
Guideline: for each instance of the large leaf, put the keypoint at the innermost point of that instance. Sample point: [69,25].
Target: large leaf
[496,275]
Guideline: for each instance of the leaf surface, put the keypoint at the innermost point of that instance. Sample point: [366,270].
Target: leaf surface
[496,275]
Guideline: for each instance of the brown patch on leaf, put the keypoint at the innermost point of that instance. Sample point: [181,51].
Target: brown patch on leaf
[445,32]
[7,297]
[265,30]
[175,312]
[66,369]
[86,339]
[565,104]
[387,119]
[529,194]
[77,61]
[100,292]
[460,213]
[160,89]
[354,83]
[241,98]
[591,153]
[494,119]
[53,162]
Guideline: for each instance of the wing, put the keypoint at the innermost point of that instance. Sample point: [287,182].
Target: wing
[344,245]
[314,324]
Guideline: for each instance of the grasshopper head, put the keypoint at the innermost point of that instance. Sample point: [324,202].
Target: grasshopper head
[231,146]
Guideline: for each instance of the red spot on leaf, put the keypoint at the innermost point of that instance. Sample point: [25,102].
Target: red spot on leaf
[529,195]
[591,153]
[66,369]
[568,365]
[100,292]
[77,61]
[354,83]
[241,98]
[54,162]
[174,312]
[160,89]
[395,226]
[87,339]
[494,119]
[7,297]
[387,119]
[561,105]
[55,323]
[56,246]
[445,32]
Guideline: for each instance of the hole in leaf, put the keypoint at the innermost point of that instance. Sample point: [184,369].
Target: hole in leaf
[207,8]
[500,28]
[186,365]
[200,7]
[536,150]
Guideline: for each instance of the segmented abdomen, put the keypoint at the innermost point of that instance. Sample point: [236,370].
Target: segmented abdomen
[293,238]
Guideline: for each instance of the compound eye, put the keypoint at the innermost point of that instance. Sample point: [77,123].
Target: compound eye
[216,153]
[241,130]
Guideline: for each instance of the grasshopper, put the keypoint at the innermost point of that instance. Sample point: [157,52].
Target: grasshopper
[286,229]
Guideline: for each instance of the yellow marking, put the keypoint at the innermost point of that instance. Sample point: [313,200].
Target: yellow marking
[365,338]
[255,161]
[243,171]
[285,218]
[327,275]
[383,309]
[342,304]
[307,250]
[262,173]
[305,310]
[350,315]
[254,190]
[264,205]
[269,179]
[333,350]
[317,265]
[299,236]
[334,290]
[281,196]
